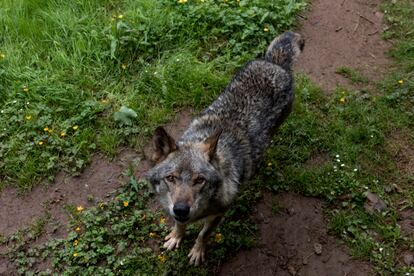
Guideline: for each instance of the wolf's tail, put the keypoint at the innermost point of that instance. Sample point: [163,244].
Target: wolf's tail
[285,49]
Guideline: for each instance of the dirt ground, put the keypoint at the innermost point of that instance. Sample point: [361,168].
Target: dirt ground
[338,33]
[343,33]
[293,242]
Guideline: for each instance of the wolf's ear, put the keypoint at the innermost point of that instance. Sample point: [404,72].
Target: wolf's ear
[162,145]
[209,146]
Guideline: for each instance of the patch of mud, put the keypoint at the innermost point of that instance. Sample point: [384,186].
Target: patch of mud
[406,222]
[93,184]
[293,242]
[343,33]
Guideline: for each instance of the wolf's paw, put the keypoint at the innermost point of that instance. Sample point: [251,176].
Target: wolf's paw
[173,240]
[197,254]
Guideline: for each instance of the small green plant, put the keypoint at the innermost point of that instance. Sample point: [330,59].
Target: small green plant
[353,75]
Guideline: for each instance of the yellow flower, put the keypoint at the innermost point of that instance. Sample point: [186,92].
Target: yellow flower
[120,16]
[50,131]
[75,254]
[75,242]
[401,81]
[25,89]
[41,142]
[182,1]
[162,220]
[342,100]
[101,205]
[152,235]
[126,203]
[269,164]
[265,29]
[123,66]
[62,134]
[28,117]
[162,258]
[104,101]
[78,229]
[217,237]
[75,127]
[80,208]
[2,55]
[46,129]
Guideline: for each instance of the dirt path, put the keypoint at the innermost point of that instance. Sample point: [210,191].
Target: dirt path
[338,33]
[293,242]
[343,33]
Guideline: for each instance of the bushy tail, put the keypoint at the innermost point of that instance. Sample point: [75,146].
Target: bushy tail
[285,49]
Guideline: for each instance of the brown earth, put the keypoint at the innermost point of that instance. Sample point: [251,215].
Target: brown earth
[342,33]
[293,242]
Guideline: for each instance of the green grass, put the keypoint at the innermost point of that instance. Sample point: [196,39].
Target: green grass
[349,127]
[352,74]
[67,66]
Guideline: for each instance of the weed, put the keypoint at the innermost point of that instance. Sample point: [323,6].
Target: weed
[353,75]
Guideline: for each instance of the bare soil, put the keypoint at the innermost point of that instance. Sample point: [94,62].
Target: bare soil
[342,33]
[293,242]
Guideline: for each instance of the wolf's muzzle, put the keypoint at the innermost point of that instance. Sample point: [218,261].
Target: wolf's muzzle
[181,211]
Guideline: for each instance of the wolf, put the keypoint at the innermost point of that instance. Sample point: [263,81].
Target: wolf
[199,176]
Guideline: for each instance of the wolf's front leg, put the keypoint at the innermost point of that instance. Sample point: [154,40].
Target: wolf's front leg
[173,239]
[198,251]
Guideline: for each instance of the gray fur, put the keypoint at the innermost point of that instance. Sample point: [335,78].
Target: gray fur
[243,119]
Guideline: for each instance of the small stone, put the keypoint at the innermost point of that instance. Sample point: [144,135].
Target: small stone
[292,270]
[374,203]
[305,260]
[388,188]
[317,247]
[408,259]
[397,188]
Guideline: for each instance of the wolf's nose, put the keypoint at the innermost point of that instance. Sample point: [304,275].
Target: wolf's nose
[181,209]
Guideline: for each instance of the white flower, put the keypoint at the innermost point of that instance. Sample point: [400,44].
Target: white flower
[338,160]
[342,165]
[337,156]
[380,249]
[355,170]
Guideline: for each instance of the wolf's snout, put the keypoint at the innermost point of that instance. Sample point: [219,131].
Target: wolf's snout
[181,210]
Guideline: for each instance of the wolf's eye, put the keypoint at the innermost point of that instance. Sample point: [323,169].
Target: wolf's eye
[170,178]
[199,180]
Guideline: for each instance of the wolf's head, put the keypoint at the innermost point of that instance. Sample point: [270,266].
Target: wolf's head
[285,49]
[184,177]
